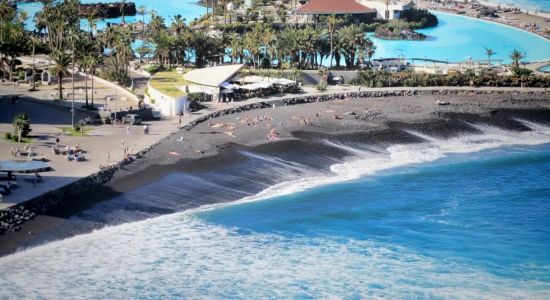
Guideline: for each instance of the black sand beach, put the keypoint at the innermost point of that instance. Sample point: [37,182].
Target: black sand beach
[239,155]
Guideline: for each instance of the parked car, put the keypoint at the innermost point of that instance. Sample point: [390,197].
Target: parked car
[132,119]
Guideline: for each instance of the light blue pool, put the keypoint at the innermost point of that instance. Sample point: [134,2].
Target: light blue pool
[545,69]
[456,38]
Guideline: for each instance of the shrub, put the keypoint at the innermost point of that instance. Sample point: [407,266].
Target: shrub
[153,69]
[411,79]
[7,135]
[22,122]
[521,71]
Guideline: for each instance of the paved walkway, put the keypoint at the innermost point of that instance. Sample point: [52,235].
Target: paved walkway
[48,116]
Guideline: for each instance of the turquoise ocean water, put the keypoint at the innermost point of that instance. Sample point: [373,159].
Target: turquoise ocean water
[463,218]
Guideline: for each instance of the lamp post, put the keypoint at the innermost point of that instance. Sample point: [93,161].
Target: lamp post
[116,99]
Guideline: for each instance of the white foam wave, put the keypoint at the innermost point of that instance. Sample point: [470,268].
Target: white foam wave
[368,161]
[178,256]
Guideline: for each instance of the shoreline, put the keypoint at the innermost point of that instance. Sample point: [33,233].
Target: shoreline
[384,125]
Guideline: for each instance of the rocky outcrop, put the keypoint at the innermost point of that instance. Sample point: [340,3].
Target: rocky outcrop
[107,10]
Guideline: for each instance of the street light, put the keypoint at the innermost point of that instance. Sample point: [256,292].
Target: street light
[116,98]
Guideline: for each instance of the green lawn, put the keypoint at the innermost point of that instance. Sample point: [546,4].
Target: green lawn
[167,82]
[70,131]
[24,140]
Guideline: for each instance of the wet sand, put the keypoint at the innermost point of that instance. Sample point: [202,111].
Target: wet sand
[215,151]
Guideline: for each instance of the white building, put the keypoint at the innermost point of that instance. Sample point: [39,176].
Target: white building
[390,10]
[210,80]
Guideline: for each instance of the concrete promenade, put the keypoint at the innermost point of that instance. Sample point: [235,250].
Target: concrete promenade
[103,145]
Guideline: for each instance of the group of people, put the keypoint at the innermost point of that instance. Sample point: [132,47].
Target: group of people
[27,150]
[71,154]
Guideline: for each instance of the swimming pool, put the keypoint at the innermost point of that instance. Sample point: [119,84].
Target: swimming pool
[457,37]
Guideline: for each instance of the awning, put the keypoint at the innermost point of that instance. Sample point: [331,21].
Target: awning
[197,89]
[227,85]
[250,87]
[227,91]
[283,81]
[264,85]
[253,79]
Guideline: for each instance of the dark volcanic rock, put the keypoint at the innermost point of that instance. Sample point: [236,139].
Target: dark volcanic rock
[108,10]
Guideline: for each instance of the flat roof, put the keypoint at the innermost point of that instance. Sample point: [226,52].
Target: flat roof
[23,166]
[213,76]
[329,7]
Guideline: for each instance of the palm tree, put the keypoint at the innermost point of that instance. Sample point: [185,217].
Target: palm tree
[122,10]
[178,24]
[352,38]
[61,61]
[489,52]
[236,48]
[91,21]
[517,56]
[35,40]
[332,22]
[142,11]
[91,61]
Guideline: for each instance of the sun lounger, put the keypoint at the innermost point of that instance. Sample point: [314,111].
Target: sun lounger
[8,176]
[38,158]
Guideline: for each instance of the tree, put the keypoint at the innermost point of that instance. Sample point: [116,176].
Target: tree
[332,23]
[35,40]
[22,126]
[144,50]
[7,13]
[204,47]
[123,10]
[86,50]
[236,47]
[92,61]
[61,63]
[489,52]
[15,44]
[352,39]
[142,11]
[517,56]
